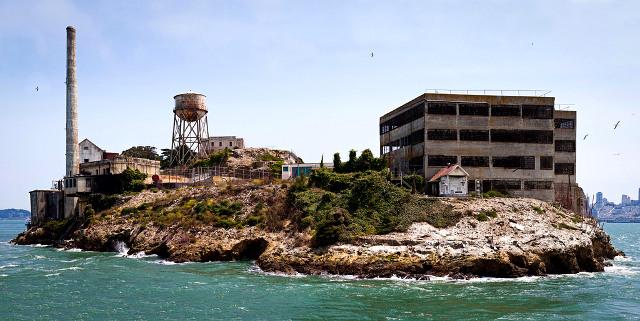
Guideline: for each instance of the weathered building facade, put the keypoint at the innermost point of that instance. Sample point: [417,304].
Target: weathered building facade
[517,144]
[217,143]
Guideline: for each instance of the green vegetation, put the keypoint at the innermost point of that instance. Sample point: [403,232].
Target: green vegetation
[101,202]
[132,180]
[492,194]
[538,209]
[482,217]
[147,152]
[215,159]
[343,206]
[565,226]
[56,227]
[364,163]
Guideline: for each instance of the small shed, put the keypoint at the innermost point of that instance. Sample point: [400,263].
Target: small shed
[451,181]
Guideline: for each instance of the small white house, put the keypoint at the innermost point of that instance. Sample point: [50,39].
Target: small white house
[452,181]
[90,152]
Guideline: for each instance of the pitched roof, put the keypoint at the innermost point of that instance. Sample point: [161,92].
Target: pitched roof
[90,142]
[449,170]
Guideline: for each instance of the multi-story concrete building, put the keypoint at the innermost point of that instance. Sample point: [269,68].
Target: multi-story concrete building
[517,144]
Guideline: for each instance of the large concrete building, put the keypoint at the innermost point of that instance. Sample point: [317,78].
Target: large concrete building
[517,144]
[218,143]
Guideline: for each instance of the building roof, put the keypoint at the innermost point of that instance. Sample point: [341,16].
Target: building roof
[90,142]
[451,170]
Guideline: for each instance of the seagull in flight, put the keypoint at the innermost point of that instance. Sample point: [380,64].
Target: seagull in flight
[37,88]
[585,137]
[616,126]
[372,54]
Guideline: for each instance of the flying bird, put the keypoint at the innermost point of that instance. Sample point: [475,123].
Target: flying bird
[37,88]
[616,126]
[585,137]
[372,54]
[532,44]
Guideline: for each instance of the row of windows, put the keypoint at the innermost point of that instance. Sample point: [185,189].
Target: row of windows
[511,185]
[482,109]
[408,116]
[494,135]
[475,109]
[511,162]
[414,138]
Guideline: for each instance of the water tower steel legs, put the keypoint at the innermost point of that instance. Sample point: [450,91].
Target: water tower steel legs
[188,140]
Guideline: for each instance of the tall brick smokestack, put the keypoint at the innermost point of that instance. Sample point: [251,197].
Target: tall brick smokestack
[73,153]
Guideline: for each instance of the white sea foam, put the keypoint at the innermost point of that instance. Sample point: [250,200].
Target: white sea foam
[73,268]
[52,274]
[621,270]
[621,258]
[4,275]
[8,266]
[38,245]
[73,250]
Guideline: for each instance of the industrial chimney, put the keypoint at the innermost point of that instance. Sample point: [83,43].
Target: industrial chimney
[72,154]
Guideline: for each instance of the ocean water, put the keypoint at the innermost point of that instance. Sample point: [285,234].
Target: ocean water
[41,283]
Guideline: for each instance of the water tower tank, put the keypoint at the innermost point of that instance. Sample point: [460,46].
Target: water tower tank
[190,106]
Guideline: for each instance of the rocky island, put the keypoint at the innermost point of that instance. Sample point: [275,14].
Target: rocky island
[347,224]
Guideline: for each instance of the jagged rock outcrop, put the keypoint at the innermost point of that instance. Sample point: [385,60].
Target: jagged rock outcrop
[499,237]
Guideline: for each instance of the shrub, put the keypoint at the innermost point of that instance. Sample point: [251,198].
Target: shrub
[482,217]
[491,213]
[254,220]
[492,194]
[129,211]
[101,202]
[56,227]
[538,209]
[307,221]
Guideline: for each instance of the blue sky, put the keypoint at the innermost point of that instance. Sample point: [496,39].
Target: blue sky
[297,75]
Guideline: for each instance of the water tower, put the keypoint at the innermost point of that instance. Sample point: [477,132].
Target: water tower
[190,128]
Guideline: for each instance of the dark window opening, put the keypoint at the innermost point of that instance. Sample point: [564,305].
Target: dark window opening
[474,135]
[414,138]
[565,169]
[500,185]
[505,110]
[546,162]
[519,162]
[416,165]
[404,118]
[537,111]
[565,123]
[565,145]
[471,184]
[475,161]
[442,109]
[538,184]
[522,136]
[86,160]
[441,160]
[442,134]
[475,109]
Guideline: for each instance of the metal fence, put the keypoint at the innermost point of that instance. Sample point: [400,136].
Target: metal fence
[205,175]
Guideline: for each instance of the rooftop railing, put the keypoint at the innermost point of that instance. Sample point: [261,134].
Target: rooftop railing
[492,92]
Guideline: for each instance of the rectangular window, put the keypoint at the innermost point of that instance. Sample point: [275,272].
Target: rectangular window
[518,162]
[500,185]
[230,143]
[565,123]
[86,160]
[505,110]
[442,108]
[522,136]
[565,145]
[475,161]
[474,135]
[85,148]
[442,134]
[441,160]
[538,184]
[565,169]
[546,162]
[220,144]
[537,111]
[474,109]
[404,118]
[285,169]
[416,165]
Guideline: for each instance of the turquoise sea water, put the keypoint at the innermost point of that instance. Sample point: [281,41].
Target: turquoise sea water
[39,283]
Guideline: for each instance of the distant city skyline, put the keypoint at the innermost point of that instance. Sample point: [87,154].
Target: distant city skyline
[300,75]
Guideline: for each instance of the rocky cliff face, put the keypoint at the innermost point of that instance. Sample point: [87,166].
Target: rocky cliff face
[500,237]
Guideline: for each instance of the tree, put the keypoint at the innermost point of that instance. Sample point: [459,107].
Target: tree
[322,161]
[350,165]
[365,161]
[147,152]
[337,163]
